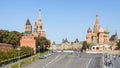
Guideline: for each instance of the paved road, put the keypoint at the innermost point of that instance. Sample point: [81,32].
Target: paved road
[40,63]
[68,60]
[116,62]
[74,61]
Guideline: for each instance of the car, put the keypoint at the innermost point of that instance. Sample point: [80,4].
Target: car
[46,56]
[54,51]
[49,54]
[114,57]
[43,57]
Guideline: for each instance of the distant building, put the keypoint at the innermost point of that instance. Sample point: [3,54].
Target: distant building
[66,46]
[114,38]
[28,39]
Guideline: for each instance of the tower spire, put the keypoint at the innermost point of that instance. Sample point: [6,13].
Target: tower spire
[97,15]
[39,15]
[97,25]
[116,33]
[97,21]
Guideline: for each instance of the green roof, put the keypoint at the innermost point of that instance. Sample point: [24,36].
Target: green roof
[106,30]
[28,32]
[35,29]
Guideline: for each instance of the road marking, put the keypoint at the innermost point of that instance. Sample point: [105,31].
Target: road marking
[51,61]
[103,61]
[88,63]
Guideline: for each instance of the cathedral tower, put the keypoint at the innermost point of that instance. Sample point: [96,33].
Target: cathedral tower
[89,35]
[101,36]
[106,36]
[97,25]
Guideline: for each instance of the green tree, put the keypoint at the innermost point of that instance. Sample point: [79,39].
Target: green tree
[8,37]
[43,42]
[26,51]
[84,46]
[3,35]
[48,43]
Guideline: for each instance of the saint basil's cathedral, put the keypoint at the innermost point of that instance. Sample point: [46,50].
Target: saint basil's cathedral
[100,37]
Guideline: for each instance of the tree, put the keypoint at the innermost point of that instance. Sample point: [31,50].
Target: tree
[3,35]
[12,53]
[43,42]
[48,43]
[8,37]
[26,51]
[84,46]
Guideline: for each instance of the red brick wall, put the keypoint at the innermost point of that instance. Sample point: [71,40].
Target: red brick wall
[4,46]
[28,41]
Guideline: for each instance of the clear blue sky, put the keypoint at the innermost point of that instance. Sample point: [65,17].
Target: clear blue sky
[61,18]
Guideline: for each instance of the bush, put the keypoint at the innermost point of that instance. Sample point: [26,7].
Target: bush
[12,53]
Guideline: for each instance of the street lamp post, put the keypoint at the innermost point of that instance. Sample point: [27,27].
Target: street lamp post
[31,56]
[52,47]
[43,49]
[18,56]
[39,51]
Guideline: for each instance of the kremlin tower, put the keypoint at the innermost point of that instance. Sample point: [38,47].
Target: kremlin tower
[38,27]
[28,39]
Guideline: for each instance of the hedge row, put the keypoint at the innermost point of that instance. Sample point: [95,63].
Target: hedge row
[13,53]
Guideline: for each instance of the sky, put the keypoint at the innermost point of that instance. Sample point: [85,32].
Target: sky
[61,18]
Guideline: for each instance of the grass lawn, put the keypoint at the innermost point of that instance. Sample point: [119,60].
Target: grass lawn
[28,61]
